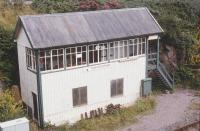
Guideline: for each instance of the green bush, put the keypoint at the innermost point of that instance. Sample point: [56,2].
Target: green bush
[54,6]
[9,109]
[8,57]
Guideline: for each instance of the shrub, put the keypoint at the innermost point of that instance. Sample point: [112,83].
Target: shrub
[9,108]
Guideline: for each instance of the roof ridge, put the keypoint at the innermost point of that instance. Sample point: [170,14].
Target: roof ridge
[81,12]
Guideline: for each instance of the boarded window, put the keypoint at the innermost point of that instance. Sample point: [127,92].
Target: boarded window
[117,87]
[79,96]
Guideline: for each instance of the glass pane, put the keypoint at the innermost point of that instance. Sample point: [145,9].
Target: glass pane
[91,47]
[140,40]
[131,41]
[41,53]
[130,50]
[111,53]
[116,53]
[111,44]
[101,55]
[67,50]
[48,53]
[34,63]
[55,62]
[73,50]
[54,52]
[73,59]
[42,64]
[91,58]
[95,56]
[121,43]
[125,42]
[60,51]
[84,48]
[121,52]
[143,48]
[135,50]
[105,54]
[143,40]
[79,61]
[48,63]
[125,51]
[135,41]
[84,58]
[79,49]
[116,43]
[30,61]
[68,60]
[139,49]
[61,61]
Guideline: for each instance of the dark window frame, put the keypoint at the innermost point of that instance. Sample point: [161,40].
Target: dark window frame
[79,96]
[117,87]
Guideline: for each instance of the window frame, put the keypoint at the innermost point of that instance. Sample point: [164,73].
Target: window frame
[76,59]
[98,53]
[80,99]
[30,58]
[50,56]
[116,82]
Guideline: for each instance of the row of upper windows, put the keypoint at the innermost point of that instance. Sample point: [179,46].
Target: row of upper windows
[81,55]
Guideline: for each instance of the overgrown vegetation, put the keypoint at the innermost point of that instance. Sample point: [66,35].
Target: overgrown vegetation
[179,19]
[8,51]
[9,108]
[116,118]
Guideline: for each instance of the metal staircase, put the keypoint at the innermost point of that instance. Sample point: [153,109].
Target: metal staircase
[166,77]
[160,71]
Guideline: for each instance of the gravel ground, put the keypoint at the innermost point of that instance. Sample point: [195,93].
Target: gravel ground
[171,109]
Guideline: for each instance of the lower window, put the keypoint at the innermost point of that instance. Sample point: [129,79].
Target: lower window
[79,96]
[116,87]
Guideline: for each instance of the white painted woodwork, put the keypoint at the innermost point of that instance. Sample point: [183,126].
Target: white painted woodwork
[28,80]
[57,88]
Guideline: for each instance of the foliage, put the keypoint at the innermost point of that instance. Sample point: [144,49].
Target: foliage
[178,19]
[60,6]
[188,77]
[97,5]
[9,108]
[8,63]
[118,118]
[54,6]
[9,14]
[195,56]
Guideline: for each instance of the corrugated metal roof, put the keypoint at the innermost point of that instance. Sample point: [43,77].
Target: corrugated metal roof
[61,29]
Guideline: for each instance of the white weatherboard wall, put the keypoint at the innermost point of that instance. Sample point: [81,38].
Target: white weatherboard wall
[28,79]
[57,88]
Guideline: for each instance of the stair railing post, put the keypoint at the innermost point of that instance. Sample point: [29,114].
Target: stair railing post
[147,55]
[158,51]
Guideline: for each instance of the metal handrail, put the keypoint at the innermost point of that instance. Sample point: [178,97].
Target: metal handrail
[152,55]
[168,76]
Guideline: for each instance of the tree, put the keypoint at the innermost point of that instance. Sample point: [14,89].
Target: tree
[9,108]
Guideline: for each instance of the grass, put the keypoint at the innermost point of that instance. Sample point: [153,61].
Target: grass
[118,119]
[123,117]
[9,14]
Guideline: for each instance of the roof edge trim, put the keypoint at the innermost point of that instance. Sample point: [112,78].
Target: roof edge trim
[154,19]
